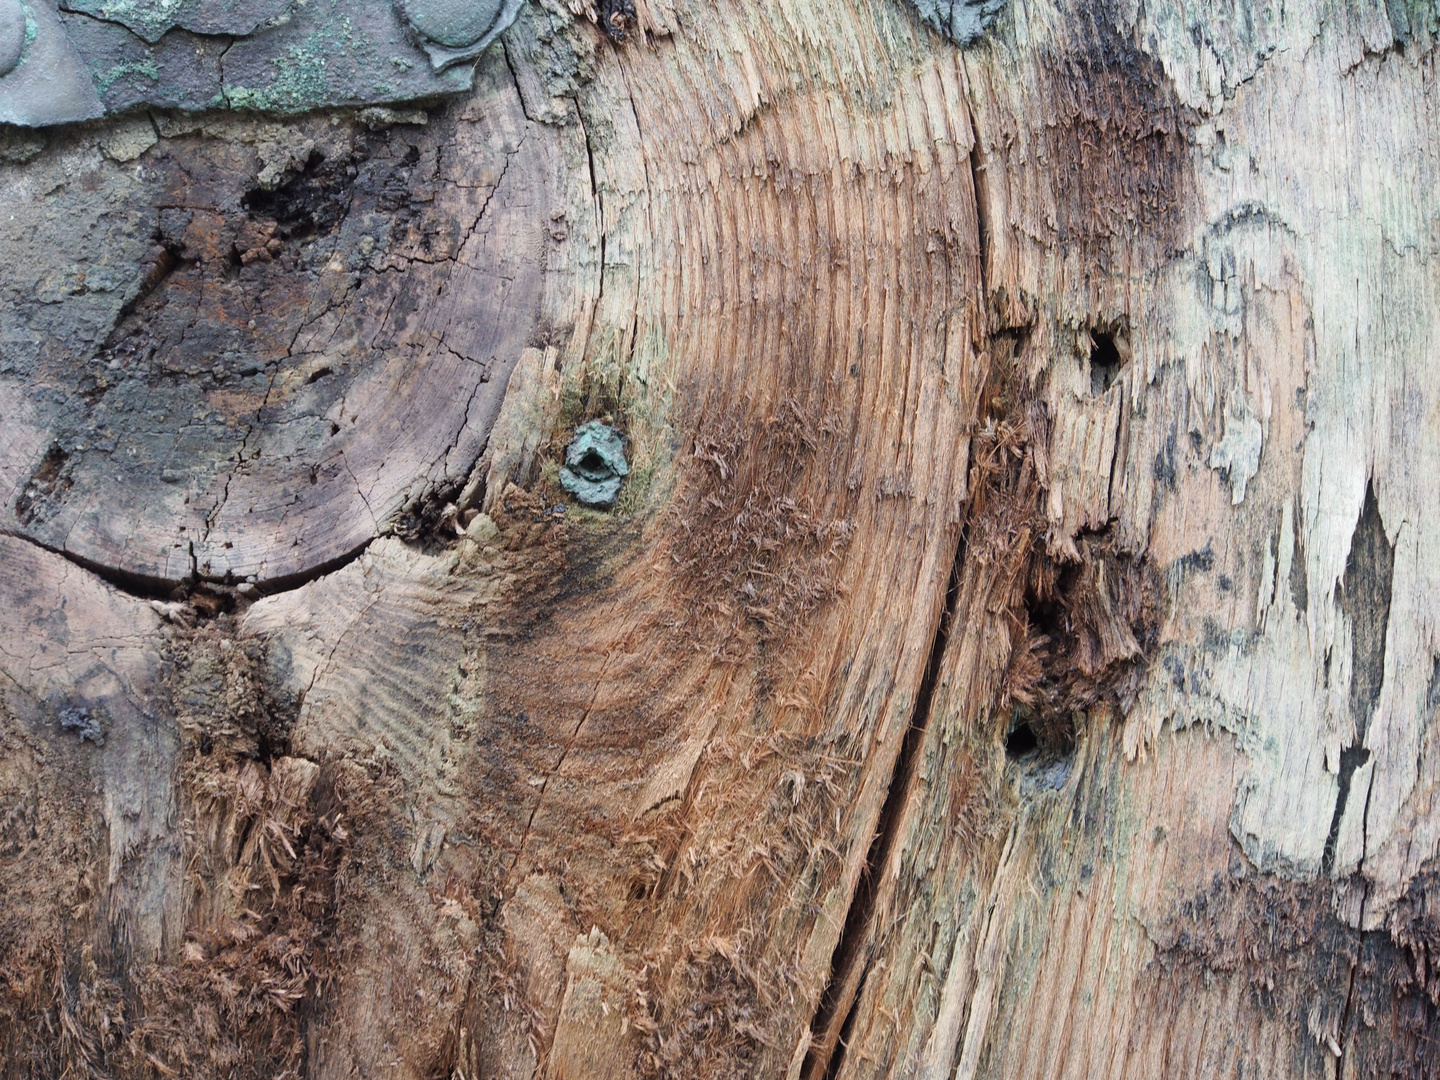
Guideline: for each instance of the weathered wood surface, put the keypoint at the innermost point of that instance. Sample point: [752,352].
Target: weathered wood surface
[296,361]
[1073,386]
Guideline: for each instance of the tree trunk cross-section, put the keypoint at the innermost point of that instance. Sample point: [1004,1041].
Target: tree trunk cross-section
[1013,651]
[297,361]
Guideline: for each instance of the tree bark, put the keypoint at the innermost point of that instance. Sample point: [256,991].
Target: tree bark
[1012,652]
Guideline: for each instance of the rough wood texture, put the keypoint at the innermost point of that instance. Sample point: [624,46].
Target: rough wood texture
[1011,654]
[318,339]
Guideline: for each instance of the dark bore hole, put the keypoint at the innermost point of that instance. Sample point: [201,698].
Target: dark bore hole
[1021,741]
[593,463]
[1105,362]
[50,479]
[615,15]
[308,204]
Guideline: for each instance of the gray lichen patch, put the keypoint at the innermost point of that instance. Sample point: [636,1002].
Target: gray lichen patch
[962,21]
[1237,455]
[595,464]
[82,722]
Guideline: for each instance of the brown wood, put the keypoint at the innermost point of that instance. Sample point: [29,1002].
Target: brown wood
[1011,654]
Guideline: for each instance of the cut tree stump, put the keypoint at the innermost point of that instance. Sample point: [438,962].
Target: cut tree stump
[1013,652]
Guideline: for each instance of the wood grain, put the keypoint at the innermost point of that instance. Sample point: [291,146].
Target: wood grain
[1010,655]
[301,356]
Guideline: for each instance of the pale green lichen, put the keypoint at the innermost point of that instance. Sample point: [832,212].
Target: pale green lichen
[300,85]
[302,81]
[149,19]
[147,68]
[595,464]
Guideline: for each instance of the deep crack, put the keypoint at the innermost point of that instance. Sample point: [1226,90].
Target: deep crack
[850,962]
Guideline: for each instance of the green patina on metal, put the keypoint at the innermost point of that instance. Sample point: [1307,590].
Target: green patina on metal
[153,19]
[595,464]
[452,23]
[83,58]
[15,34]
[300,83]
[149,20]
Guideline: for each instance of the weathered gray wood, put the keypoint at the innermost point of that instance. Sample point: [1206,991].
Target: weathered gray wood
[311,351]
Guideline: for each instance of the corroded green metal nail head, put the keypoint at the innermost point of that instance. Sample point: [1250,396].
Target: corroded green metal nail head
[595,464]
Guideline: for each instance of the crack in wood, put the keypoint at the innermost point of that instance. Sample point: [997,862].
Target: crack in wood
[850,963]
[147,588]
[982,207]
[1365,599]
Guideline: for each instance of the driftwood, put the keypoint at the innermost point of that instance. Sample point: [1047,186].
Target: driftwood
[1012,651]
